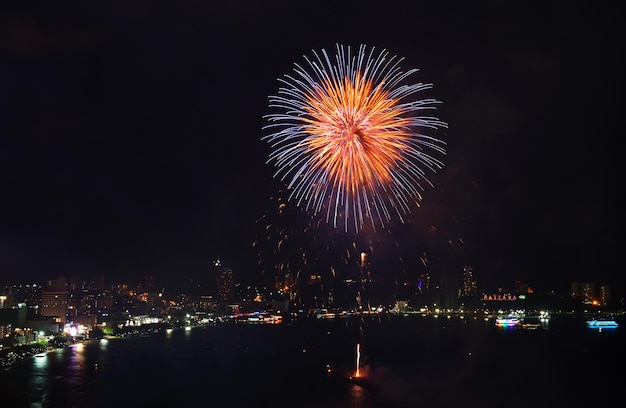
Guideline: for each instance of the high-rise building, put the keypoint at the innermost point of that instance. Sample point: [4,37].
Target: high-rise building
[55,304]
[98,282]
[75,284]
[576,290]
[605,294]
[584,292]
[148,284]
[469,284]
[225,284]
[28,294]
[58,284]
[423,283]
[588,292]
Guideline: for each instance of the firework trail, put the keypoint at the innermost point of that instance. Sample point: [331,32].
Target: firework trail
[293,250]
[347,137]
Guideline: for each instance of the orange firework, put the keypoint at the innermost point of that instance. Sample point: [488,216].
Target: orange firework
[348,137]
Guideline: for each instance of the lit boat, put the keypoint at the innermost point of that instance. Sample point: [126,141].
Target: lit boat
[601,323]
[507,321]
[534,322]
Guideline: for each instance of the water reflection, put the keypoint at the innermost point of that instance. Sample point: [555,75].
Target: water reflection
[39,379]
[77,358]
[359,397]
[41,361]
[399,363]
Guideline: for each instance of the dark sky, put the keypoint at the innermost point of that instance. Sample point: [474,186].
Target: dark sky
[131,130]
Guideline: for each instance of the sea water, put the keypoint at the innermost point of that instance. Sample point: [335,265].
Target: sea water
[402,361]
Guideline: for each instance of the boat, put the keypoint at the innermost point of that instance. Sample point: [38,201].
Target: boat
[507,321]
[534,322]
[601,323]
[530,325]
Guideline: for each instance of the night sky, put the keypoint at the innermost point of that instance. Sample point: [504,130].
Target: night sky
[131,131]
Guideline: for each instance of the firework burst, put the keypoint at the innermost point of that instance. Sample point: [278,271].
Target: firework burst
[347,137]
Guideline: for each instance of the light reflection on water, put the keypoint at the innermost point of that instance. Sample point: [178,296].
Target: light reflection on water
[358,397]
[41,361]
[39,379]
[56,378]
[184,367]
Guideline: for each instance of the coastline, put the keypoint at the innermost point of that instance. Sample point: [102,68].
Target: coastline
[13,355]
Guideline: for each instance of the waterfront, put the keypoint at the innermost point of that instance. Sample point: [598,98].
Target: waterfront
[405,361]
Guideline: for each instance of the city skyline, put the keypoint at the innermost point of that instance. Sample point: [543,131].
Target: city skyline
[133,140]
[463,284]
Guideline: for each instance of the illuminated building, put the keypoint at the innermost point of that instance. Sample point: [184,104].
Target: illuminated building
[225,283]
[584,292]
[605,294]
[423,284]
[103,301]
[28,294]
[55,304]
[469,284]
